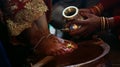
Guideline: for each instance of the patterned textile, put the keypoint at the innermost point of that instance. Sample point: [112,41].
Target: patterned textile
[24,12]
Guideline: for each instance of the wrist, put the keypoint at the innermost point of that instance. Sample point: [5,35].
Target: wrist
[97,9]
[105,23]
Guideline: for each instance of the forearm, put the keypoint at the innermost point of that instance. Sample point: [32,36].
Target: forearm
[103,5]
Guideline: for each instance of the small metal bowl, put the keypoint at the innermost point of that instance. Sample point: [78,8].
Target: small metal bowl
[70,12]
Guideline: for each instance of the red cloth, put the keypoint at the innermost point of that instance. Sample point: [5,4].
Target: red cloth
[109,3]
[117,20]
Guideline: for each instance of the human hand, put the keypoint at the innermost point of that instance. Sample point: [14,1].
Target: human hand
[88,25]
[80,16]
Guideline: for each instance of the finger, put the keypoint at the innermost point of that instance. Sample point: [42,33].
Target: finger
[88,15]
[61,50]
[84,10]
[68,50]
[83,14]
[77,22]
[81,22]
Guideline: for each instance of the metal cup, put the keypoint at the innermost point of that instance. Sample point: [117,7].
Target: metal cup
[71,13]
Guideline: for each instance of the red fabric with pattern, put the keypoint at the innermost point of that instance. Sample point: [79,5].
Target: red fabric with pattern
[19,4]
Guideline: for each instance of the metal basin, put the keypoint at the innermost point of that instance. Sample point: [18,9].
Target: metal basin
[89,54]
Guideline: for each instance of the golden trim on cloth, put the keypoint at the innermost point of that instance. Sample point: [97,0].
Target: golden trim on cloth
[24,17]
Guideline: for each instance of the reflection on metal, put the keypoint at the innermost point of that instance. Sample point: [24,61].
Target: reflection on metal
[74,27]
[72,13]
